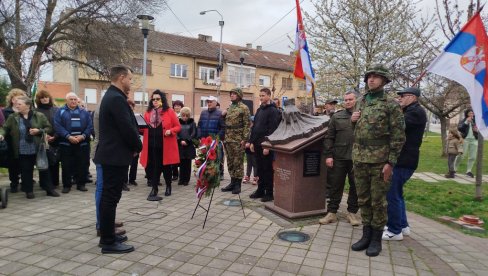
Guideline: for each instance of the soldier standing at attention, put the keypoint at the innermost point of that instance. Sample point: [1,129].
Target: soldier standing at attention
[338,159]
[236,132]
[379,134]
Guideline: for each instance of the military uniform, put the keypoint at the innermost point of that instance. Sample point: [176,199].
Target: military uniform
[338,145]
[236,131]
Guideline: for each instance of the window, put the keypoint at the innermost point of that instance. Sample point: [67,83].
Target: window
[178,70]
[302,85]
[208,74]
[176,97]
[243,76]
[264,81]
[203,102]
[90,96]
[137,65]
[138,97]
[287,83]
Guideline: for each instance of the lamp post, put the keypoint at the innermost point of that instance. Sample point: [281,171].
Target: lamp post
[144,19]
[219,68]
[241,59]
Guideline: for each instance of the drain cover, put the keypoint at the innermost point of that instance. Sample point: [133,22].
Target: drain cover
[293,236]
[232,202]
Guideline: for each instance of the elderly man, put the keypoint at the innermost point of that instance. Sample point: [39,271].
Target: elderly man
[330,107]
[415,120]
[211,121]
[74,126]
[379,134]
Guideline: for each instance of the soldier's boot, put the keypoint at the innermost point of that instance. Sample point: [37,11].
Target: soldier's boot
[329,218]
[353,219]
[450,174]
[374,247]
[365,240]
[237,186]
[229,187]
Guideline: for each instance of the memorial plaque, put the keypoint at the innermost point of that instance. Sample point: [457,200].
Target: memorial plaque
[311,163]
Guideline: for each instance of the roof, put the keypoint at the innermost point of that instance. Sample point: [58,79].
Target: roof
[199,48]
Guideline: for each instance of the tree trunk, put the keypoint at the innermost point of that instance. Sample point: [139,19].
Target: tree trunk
[443,135]
[478,195]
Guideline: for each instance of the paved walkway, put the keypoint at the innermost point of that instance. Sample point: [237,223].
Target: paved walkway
[56,236]
[433,178]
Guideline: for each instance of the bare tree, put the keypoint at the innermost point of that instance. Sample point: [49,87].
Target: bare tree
[93,33]
[350,35]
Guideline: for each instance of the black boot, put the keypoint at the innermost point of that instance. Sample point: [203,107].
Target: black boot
[229,187]
[374,247]
[237,186]
[14,188]
[168,190]
[153,195]
[363,243]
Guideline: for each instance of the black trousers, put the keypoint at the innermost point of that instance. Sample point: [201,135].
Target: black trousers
[155,166]
[265,170]
[185,170]
[133,168]
[73,164]
[13,170]
[174,170]
[26,164]
[336,179]
[113,179]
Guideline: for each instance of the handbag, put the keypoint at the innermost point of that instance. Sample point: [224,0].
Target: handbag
[3,154]
[42,163]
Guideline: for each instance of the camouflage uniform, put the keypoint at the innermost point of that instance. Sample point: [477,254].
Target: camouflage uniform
[379,135]
[236,131]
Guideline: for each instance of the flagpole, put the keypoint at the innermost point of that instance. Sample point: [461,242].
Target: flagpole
[419,78]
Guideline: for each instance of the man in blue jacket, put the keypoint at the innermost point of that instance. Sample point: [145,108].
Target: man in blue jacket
[74,126]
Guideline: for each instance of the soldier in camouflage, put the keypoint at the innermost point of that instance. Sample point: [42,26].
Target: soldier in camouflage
[236,133]
[379,134]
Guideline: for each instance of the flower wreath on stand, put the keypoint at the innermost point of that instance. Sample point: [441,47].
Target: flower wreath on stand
[207,164]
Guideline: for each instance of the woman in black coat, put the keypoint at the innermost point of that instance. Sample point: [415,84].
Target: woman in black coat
[185,144]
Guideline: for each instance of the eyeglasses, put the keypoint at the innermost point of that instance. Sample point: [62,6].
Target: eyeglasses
[156,99]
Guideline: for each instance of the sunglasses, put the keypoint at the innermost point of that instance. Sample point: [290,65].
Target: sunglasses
[156,99]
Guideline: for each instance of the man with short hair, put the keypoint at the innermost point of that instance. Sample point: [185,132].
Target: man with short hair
[330,107]
[118,143]
[379,134]
[236,132]
[408,160]
[74,126]
[211,121]
[266,121]
[338,159]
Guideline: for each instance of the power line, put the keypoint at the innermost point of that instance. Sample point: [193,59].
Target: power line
[276,23]
[178,19]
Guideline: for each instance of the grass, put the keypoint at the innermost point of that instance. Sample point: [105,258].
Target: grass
[445,198]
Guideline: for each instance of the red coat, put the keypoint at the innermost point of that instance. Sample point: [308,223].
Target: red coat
[170,144]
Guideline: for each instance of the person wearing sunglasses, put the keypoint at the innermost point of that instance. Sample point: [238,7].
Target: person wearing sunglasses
[159,146]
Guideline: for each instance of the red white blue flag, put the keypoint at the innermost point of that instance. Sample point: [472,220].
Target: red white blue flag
[464,60]
[303,64]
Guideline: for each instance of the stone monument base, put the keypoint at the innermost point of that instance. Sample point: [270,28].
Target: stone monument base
[293,215]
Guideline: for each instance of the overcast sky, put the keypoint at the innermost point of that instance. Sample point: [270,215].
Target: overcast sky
[245,21]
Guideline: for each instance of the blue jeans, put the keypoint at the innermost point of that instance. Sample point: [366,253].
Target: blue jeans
[397,215]
[98,193]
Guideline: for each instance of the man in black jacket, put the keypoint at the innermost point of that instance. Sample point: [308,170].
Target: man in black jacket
[415,120]
[118,143]
[266,120]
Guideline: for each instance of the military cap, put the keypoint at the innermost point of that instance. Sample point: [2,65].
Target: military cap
[410,90]
[238,91]
[380,70]
[331,101]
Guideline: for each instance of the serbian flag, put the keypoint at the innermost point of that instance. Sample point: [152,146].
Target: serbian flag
[303,64]
[464,60]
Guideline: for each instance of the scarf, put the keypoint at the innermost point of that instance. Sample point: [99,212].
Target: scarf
[155,119]
[28,125]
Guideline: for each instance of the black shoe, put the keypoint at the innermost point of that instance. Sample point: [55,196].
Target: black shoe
[168,190]
[133,183]
[89,180]
[180,182]
[174,178]
[153,195]
[374,247]
[237,186]
[470,174]
[14,189]
[365,240]
[267,198]
[185,183]
[81,188]
[257,194]
[66,190]
[52,193]
[229,187]
[30,195]
[116,248]
[125,187]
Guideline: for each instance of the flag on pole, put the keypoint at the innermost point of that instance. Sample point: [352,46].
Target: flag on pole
[303,64]
[464,60]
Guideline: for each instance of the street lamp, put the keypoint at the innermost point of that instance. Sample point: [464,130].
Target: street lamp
[241,59]
[144,19]
[219,68]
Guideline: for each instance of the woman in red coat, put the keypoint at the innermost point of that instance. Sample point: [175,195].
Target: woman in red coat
[159,146]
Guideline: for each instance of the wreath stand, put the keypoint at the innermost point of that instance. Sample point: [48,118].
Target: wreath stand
[207,210]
